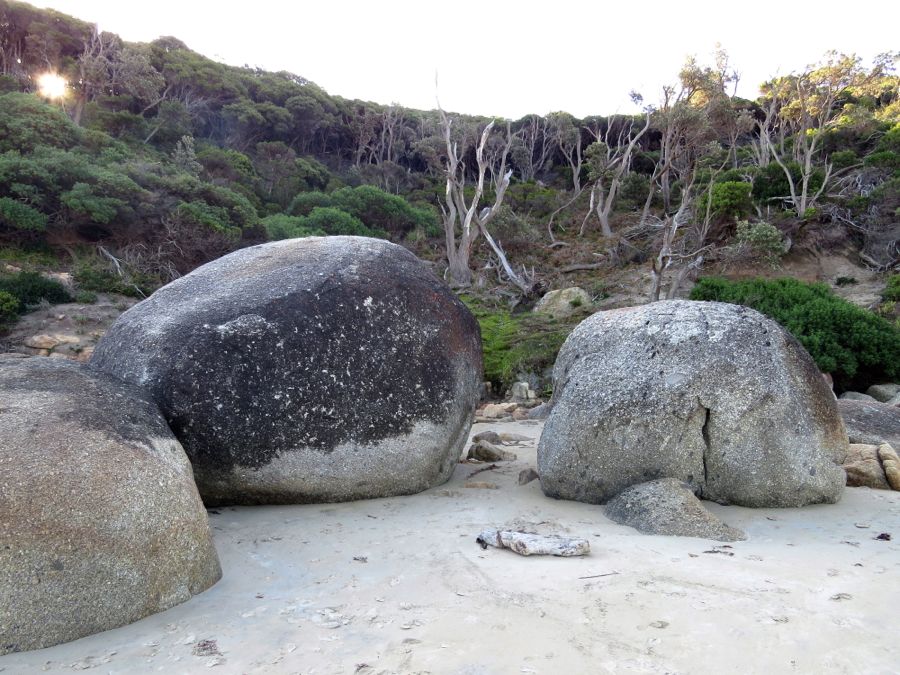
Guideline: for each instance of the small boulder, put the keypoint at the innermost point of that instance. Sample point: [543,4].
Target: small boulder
[494,411]
[856,396]
[540,412]
[883,392]
[562,303]
[41,342]
[713,394]
[527,475]
[863,467]
[489,436]
[100,520]
[487,452]
[307,370]
[667,506]
[873,423]
[521,392]
[891,465]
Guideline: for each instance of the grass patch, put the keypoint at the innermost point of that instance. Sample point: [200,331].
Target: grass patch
[515,344]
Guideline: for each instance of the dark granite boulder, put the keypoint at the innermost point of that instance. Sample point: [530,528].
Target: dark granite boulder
[100,520]
[307,370]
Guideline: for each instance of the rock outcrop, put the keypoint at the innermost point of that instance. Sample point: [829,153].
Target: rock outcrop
[100,520]
[307,370]
[883,392]
[857,396]
[715,395]
[872,466]
[872,423]
[667,506]
[563,302]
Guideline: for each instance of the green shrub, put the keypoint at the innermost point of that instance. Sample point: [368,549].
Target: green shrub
[9,308]
[30,288]
[843,158]
[20,216]
[305,202]
[730,199]
[335,221]
[763,240]
[280,226]
[884,159]
[85,297]
[200,214]
[856,346]
[382,211]
[91,276]
[891,292]
[771,183]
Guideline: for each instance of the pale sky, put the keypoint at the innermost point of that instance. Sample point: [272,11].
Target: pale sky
[502,58]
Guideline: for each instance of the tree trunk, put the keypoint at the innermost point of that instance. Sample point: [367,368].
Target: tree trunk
[458,273]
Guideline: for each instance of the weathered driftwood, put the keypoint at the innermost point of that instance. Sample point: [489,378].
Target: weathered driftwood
[534,544]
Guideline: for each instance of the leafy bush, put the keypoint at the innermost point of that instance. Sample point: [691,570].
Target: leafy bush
[380,210]
[200,214]
[305,202]
[27,122]
[280,226]
[771,183]
[884,159]
[891,292]
[9,308]
[843,158]
[335,221]
[856,346]
[763,240]
[730,199]
[20,216]
[30,288]
[633,192]
[92,277]
[85,297]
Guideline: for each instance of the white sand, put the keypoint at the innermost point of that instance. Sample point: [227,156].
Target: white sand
[424,597]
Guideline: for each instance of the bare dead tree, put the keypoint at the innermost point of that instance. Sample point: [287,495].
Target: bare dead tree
[610,162]
[464,219]
[686,253]
[533,146]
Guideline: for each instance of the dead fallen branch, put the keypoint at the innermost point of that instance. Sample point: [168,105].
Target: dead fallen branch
[577,268]
[484,468]
[524,543]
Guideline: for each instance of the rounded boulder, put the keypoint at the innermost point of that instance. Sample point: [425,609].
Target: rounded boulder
[100,521]
[307,370]
[715,395]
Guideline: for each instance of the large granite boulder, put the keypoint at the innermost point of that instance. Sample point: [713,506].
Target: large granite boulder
[715,395]
[869,422]
[307,370]
[100,520]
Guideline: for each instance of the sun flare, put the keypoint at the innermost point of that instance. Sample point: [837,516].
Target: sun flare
[52,85]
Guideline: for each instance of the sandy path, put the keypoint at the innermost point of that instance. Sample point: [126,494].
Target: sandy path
[399,586]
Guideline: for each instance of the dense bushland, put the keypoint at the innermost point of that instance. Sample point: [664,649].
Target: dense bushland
[856,346]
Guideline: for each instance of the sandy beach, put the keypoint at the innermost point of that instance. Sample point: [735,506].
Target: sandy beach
[400,586]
